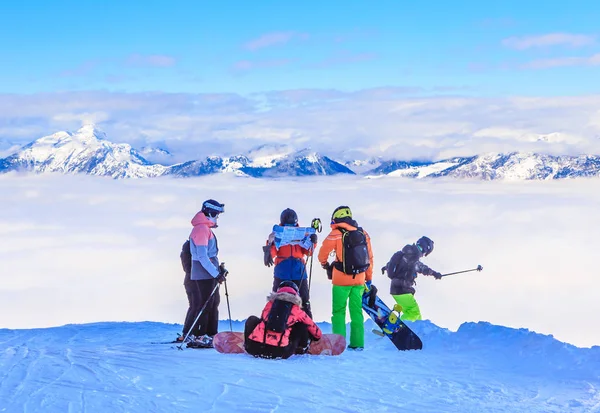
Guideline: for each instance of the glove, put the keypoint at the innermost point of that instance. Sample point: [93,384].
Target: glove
[368,286]
[268,259]
[329,268]
[222,273]
[383,269]
[313,238]
[437,275]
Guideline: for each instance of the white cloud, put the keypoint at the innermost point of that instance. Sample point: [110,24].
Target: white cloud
[593,60]
[273,39]
[393,122]
[154,60]
[94,262]
[550,39]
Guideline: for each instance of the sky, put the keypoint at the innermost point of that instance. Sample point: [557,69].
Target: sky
[398,79]
[233,47]
[81,249]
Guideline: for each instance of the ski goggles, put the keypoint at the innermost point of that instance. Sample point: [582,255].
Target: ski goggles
[214,208]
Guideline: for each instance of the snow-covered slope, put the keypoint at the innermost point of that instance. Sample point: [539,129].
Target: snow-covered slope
[115,367]
[85,151]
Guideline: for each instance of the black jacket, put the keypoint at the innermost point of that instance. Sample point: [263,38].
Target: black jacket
[402,269]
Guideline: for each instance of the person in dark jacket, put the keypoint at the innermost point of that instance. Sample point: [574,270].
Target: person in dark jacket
[402,269]
[282,326]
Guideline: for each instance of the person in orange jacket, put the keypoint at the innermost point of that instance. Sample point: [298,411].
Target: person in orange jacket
[351,270]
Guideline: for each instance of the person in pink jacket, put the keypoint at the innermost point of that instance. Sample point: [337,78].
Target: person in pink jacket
[282,326]
[205,272]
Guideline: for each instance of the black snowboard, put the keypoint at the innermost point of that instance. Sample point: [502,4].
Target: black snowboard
[402,336]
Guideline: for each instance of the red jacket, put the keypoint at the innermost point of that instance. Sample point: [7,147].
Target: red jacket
[297,315]
[287,251]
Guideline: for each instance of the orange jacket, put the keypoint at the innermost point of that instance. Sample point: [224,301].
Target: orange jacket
[333,242]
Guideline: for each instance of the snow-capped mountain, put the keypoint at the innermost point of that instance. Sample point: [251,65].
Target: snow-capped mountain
[301,163]
[512,166]
[156,155]
[523,166]
[360,166]
[88,151]
[85,151]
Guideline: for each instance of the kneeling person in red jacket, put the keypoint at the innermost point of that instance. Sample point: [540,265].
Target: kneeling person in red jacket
[282,325]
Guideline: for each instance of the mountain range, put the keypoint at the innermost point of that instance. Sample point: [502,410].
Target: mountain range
[88,151]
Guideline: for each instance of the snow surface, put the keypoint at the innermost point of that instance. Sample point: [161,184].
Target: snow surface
[115,367]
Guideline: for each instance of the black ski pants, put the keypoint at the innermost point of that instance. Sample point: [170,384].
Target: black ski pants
[198,293]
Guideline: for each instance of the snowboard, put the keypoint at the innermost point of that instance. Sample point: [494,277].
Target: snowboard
[389,322]
[284,235]
[232,342]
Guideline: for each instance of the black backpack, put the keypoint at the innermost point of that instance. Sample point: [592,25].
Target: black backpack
[402,263]
[186,257]
[355,255]
[396,266]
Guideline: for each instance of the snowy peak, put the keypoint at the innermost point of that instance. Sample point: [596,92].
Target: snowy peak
[492,166]
[88,151]
[263,163]
[85,151]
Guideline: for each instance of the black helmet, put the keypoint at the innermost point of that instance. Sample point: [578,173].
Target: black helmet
[212,208]
[288,217]
[290,284]
[425,245]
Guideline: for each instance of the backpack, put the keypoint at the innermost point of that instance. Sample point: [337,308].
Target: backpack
[396,265]
[278,316]
[186,257]
[402,263]
[355,253]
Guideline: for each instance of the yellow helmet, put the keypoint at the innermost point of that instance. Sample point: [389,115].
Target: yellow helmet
[341,212]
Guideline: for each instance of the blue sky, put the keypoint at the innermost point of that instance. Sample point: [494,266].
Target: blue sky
[407,79]
[484,48]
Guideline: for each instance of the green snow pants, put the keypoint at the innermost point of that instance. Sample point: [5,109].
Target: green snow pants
[410,308]
[340,296]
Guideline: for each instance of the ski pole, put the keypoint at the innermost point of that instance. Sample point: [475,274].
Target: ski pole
[310,272]
[316,224]
[228,308]
[180,347]
[223,271]
[479,268]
